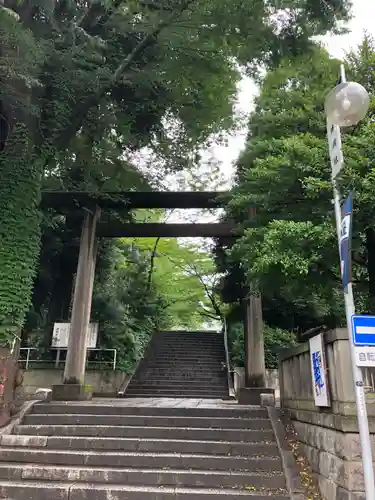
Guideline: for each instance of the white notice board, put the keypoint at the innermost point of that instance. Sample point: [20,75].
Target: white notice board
[61,332]
[319,371]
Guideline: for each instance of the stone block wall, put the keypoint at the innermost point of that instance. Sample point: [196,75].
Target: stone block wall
[272,380]
[104,383]
[328,437]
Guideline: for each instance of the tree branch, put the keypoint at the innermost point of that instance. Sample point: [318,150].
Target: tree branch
[80,113]
[208,315]
[98,14]
[147,40]
[208,292]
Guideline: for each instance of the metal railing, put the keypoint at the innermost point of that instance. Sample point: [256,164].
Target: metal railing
[227,358]
[25,362]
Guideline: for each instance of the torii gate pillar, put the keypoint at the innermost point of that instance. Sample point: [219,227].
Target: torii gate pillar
[255,371]
[73,387]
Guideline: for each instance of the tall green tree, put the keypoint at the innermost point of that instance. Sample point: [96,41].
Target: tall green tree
[147,73]
[185,275]
[289,249]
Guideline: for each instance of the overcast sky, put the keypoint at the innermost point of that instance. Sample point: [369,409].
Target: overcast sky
[364,17]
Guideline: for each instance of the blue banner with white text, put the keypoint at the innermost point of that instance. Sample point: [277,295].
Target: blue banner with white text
[345,240]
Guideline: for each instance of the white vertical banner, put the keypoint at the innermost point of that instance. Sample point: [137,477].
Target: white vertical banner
[319,371]
[335,149]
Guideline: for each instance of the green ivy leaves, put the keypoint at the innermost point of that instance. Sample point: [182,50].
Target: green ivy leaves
[19,231]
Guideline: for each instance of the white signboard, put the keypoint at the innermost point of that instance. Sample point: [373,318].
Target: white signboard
[365,356]
[318,371]
[61,331]
[335,148]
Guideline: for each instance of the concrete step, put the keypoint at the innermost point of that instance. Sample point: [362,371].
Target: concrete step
[168,374]
[146,395]
[201,360]
[140,445]
[143,477]
[175,379]
[148,421]
[189,362]
[179,367]
[190,346]
[150,395]
[168,383]
[187,366]
[186,384]
[102,458]
[201,355]
[33,490]
[182,385]
[190,343]
[199,334]
[180,391]
[156,377]
[173,337]
[163,372]
[181,370]
[104,408]
[159,390]
[186,348]
[188,339]
[139,393]
[120,431]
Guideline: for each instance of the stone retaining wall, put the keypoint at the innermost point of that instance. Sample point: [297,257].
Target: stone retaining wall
[104,383]
[328,436]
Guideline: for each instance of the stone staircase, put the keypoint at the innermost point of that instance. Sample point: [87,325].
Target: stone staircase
[118,450]
[182,364]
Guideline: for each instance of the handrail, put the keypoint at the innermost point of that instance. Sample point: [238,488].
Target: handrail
[28,350]
[227,358]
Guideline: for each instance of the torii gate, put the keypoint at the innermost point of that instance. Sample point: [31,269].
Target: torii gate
[93,205]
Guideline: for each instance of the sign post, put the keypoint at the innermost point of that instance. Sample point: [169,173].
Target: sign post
[337,162]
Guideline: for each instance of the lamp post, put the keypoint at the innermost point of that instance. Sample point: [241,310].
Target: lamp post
[346,105]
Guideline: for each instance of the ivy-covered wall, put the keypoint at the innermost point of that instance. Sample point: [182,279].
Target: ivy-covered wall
[19,231]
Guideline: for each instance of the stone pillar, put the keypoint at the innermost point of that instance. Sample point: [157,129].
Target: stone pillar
[255,371]
[87,312]
[74,373]
[247,331]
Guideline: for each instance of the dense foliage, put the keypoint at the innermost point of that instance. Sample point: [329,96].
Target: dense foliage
[289,248]
[142,285]
[76,75]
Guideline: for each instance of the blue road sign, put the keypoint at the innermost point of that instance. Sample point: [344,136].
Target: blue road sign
[363,330]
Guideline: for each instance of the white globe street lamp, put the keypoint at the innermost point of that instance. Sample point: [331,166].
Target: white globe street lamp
[346,105]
